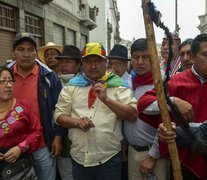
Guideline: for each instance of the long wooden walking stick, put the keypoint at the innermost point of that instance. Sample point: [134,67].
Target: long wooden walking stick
[159,88]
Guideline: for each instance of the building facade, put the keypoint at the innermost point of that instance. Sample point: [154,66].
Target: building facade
[58,21]
[203,21]
[107,20]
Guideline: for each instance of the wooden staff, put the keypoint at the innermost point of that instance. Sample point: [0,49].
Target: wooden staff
[159,88]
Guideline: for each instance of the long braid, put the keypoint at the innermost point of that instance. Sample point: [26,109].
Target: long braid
[198,144]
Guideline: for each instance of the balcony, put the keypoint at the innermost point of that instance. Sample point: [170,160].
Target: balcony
[88,16]
[203,23]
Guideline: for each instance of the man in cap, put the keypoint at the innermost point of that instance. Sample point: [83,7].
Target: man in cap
[39,85]
[175,61]
[70,62]
[91,106]
[118,62]
[47,55]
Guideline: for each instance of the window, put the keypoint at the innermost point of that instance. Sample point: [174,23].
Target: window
[33,25]
[58,34]
[71,37]
[83,41]
[7,18]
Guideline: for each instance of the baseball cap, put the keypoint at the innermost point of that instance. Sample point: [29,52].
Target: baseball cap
[24,36]
[94,49]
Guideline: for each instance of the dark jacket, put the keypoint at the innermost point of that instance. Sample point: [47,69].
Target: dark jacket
[49,87]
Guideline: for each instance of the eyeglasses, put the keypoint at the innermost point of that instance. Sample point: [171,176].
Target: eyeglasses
[10,81]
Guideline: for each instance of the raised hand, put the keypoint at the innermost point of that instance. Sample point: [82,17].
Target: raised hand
[100,89]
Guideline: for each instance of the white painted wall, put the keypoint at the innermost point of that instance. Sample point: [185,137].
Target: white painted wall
[99,34]
[106,11]
[68,5]
[205,6]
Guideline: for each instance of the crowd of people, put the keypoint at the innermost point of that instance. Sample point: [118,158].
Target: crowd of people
[71,114]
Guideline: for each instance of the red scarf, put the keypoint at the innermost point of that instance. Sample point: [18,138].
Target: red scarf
[91,97]
[108,80]
[142,80]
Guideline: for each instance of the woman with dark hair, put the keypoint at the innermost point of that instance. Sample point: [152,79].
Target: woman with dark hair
[20,132]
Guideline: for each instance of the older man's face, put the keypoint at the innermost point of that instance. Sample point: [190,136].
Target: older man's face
[185,57]
[94,67]
[200,60]
[50,60]
[117,66]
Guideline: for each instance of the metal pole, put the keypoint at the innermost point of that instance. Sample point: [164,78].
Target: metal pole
[176,16]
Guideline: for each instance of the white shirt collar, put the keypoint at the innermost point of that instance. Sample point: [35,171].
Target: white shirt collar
[197,75]
[126,75]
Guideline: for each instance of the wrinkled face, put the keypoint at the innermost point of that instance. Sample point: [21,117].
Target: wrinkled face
[94,67]
[185,58]
[117,66]
[6,86]
[141,62]
[69,66]
[200,60]
[24,54]
[50,60]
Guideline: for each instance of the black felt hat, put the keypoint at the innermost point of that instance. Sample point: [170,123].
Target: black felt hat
[71,52]
[119,52]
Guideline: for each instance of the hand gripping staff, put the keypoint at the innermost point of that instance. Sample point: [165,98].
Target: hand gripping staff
[159,88]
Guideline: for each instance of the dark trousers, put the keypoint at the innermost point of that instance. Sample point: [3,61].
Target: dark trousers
[124,175]
[110,170]
[187,175]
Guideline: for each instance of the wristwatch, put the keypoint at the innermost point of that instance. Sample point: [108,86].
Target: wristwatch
[151,157]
